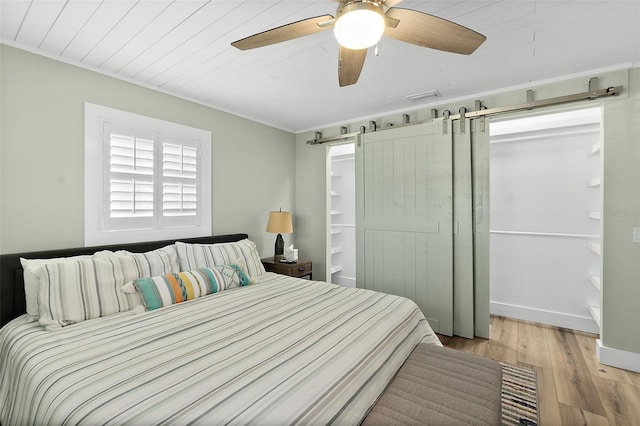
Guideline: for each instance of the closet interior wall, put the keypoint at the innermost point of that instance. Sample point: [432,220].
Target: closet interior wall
[545,218]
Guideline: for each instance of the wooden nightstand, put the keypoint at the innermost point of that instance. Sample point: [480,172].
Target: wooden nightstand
[300,269]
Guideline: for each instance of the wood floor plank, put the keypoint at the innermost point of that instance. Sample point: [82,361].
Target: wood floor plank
[476,346]
[588,347]
[503,342]
[532,345]
[445,340]
[573,388]
[635,378]
[621,400]
[574,384]
[548,407]
[571,416]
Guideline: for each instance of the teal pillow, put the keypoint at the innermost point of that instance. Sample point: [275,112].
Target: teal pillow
[165,290]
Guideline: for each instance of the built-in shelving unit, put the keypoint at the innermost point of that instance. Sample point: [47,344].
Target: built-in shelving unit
[341,247]
[594,247]
[595,280]
[593,276]
[335,269]
[546,218]
[594,310]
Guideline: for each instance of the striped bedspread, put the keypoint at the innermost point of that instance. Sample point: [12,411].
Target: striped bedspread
[281,351]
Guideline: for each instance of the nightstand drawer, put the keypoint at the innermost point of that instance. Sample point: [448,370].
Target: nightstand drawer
[301,268]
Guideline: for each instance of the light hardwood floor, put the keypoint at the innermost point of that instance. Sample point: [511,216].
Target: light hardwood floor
[573,387]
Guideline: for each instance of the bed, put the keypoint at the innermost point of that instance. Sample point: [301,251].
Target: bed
[278,350]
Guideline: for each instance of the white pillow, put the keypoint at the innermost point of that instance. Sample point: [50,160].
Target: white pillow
[195,256]
[32,282]
[80,289]
[243,265]
[155,262]
[151,263]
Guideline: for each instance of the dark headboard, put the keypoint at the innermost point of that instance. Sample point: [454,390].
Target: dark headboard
[12,298]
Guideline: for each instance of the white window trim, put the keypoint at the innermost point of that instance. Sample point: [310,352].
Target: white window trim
[95,211]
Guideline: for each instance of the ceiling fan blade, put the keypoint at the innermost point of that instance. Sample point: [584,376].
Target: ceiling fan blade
[433,32]
[390,3]
[284,33]
[350,64]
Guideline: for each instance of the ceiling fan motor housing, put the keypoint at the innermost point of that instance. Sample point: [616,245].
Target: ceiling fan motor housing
[359,24]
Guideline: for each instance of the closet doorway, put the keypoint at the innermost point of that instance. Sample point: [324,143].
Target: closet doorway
[341,215]
[545,218]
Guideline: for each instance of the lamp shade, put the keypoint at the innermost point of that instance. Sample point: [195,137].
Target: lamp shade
[280,223]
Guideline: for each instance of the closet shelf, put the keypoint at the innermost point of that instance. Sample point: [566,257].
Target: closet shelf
[335,250]
[335,194]
[595,313]
[594,215]
[335,212]
[346,157]
[595,280]
[336,231]
[594,247]
[336,268]
[592,183]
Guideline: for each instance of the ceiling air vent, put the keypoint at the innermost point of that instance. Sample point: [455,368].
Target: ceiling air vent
[419,97]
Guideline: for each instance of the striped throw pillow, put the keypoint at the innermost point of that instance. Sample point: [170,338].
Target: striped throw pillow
[194,256]
[169,289]
[156,262]
[32,282]
[84,288]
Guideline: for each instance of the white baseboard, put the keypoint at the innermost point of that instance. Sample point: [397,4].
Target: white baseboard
[557,319]
[617,358]
[345,281]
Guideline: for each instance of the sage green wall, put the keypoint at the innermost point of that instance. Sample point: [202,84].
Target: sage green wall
[256,168]
[42,153]
[620,188]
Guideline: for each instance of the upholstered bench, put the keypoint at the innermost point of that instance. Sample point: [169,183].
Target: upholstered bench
[441,386]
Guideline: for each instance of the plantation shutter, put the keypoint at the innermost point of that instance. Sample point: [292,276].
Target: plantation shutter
[129,178]
[145,179]
[151,180]
[180,192]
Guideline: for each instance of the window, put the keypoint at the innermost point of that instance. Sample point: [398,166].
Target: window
[145,179]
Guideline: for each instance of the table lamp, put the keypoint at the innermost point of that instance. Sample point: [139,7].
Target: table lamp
[279,223]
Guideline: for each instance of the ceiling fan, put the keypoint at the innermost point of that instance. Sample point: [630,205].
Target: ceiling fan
[359,24]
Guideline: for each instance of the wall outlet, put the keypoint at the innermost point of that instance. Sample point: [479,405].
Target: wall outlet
[636,235]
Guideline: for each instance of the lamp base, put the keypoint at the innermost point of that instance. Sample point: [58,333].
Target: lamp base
[279,248]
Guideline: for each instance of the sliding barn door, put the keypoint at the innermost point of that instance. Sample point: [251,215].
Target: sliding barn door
[463,300]
[404,225]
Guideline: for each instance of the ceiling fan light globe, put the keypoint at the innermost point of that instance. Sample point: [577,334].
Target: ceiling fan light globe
[359,28]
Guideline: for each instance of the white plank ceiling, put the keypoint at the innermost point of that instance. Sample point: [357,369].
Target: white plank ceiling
[183,47]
